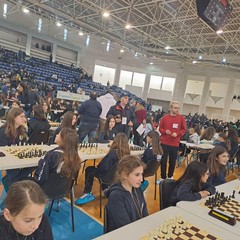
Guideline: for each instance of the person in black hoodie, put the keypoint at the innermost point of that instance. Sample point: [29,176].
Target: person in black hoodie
[23,97]
[118,150]
[192,185]
[126,202]
[64,159]
[23,217]
[109,131]
[38,122]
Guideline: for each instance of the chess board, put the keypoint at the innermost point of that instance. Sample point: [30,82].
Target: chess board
[26,151]
[232,207]
[92,149]
[178,229]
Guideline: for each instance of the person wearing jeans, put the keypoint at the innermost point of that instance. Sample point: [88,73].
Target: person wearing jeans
[172,126]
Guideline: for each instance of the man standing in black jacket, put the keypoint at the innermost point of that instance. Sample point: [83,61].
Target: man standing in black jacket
[124,115]
[89,111]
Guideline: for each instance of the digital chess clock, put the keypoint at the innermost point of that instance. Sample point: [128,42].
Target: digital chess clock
[225,217]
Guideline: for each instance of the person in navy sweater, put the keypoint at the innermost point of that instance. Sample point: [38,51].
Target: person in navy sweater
[217,162]
[118,150]
[172,127]
[13,132]
[126,202]
[192,185]
[152,152]
[64,159]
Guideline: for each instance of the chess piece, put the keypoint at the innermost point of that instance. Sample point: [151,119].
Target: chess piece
[233,195]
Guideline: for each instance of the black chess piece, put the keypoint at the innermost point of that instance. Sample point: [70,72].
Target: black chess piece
[233,195]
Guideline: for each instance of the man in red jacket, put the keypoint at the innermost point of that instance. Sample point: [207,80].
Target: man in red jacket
[172,126]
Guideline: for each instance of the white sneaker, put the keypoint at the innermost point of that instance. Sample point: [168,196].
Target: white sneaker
[159,180]
[170,178]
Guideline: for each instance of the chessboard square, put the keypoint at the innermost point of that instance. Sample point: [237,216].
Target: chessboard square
[211,237]
[199,235]
[196,238]
[188,234]
[191,231]
[194,229]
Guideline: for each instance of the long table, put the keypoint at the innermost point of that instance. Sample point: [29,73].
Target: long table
[12,162]
[198,208]
[140,228]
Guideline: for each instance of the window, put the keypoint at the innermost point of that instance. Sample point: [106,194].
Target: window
[5,10]
[104,74]
[138,79]
[125,78]
[168,84]
[65,32]
[155,82]
[39,25]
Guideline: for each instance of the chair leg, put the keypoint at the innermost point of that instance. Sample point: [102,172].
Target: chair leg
[155,186]
[72,212]
[100,192]
[50,210]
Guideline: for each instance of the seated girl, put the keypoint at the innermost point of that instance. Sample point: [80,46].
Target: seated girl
[217,162]
[192,185]
[222,141]
[64,159]
[109,131]
[38,122]
[117,151]
[126,202]
[69,121]
[13,132]
[23,217]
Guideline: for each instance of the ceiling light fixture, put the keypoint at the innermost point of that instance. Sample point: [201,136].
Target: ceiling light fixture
[80,34]
[151,63]
[200,57]
[58,24]
[128,26]
[121,50]
[167,47]
[194,62]
[106,14]
[220,31]
[25,10]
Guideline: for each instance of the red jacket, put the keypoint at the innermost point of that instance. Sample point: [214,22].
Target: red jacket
[175,124]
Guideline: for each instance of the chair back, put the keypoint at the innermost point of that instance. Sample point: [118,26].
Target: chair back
[57,186]
[166,186]
[109,177]
[152,167]
[38,137]
[105,222]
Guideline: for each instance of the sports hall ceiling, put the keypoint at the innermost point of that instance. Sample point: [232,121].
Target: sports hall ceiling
[155,25]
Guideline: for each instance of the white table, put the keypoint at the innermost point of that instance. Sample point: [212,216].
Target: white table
[138,229]
[12,162]
[198,208]
[203,146]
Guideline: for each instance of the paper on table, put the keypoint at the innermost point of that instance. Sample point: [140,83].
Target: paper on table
[140,129]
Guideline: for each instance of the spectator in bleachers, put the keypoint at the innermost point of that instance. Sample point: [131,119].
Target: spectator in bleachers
[33,96]
[124,115]
[5,89]
[50,58]
[90,111]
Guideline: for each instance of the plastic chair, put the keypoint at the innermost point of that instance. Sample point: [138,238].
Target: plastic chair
[108,179]
[57,187]
[105,221]
[151,170]
[166,188]
[39,137]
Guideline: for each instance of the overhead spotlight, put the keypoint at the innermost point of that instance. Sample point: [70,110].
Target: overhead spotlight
[151,63]
[167,47]
[80,33]
[224,60]
[194,62]
[200,57]
[25,10]
[106,14]
[58,24]
[220,31]
[128,26]
[121,50]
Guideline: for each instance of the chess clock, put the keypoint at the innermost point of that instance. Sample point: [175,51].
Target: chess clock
[225,217]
